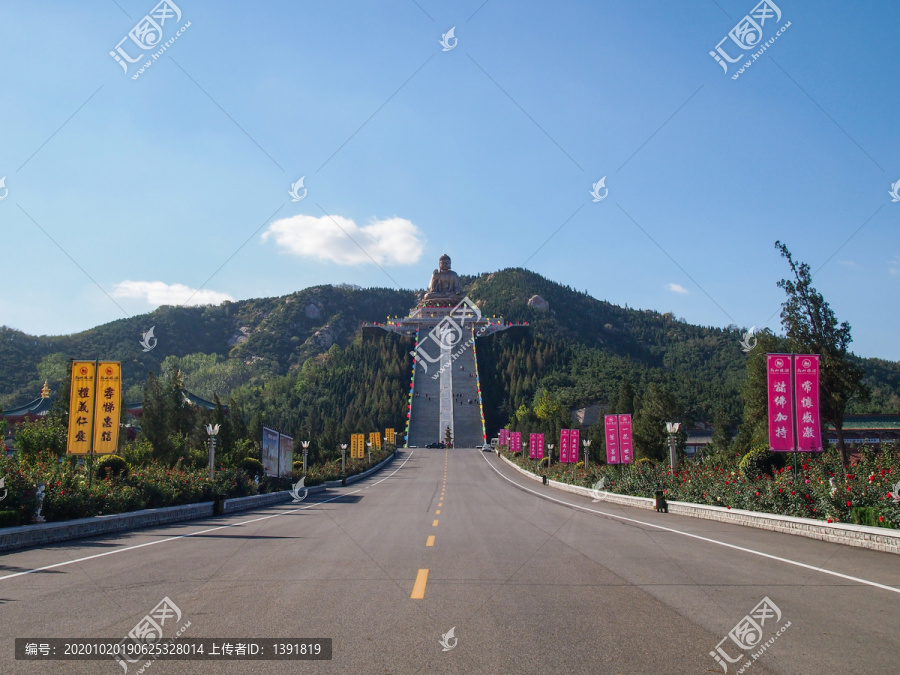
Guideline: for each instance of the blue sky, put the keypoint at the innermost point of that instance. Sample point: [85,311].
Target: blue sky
[127,193]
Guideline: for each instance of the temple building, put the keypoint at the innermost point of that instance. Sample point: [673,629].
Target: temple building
[445,390]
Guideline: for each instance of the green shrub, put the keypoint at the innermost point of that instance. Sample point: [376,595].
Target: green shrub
[759,461]
[112,466]
[253,467]
[138,453]
[298,468]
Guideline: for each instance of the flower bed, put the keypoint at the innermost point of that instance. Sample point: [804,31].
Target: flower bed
[818,490]
[69,494]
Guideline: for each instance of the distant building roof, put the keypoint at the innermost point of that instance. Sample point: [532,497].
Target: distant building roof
[32,410]
[869,423]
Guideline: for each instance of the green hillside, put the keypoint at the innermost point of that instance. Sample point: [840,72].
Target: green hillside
[299,361]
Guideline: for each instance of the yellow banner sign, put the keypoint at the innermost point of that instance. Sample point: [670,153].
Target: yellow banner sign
[375,439]
[108,407]
[357,446]
[81,408]
[389,434]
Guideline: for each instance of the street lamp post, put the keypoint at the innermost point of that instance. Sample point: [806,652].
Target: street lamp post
[213,431]
[587,451]
[549,454]
[343,449]
[305,445]
[369,450]
[672,430]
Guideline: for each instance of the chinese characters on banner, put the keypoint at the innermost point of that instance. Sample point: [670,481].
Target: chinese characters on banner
[574,440]
[389,434]
[626,447]
[375,440]
[619,447]
[81,408]
[536,446]
[504,437]
[806,386]
[563,446]
[108,407]
[611,423]
[515,441]
[357,446]
[568,445]
[783,372]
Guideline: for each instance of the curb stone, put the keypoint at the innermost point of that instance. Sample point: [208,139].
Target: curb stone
[42,534]
[861,536]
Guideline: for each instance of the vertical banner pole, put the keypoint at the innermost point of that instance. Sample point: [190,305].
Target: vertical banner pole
[794,421]
[91,440]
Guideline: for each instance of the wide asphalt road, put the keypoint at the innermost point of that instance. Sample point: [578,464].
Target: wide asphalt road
[530,579]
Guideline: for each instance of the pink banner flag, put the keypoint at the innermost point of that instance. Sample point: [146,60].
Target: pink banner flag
[515,441]
[574,445]
[612,438]
[781,416]
[626,447]
[536,446]
[806,383]
[563,445]
[504,437]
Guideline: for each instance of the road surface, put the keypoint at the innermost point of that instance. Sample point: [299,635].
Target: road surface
[530,579]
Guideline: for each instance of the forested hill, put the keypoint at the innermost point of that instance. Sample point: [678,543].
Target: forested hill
[580,348]
[247,340]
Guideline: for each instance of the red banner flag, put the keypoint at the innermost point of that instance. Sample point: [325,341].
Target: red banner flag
[806,383]
[574,445]
[515,441]
[563,445]
[612,438]
[781,416]
[626,447]
[536,446]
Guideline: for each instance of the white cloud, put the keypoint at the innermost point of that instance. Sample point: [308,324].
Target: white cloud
[160,293]
[677,288]
[894,265]
[394,241]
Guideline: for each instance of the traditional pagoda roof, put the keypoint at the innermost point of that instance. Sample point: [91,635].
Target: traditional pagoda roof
[870,423]
[32,410]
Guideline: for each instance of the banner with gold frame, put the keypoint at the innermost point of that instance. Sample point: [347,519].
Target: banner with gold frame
[107,407]
[81,407]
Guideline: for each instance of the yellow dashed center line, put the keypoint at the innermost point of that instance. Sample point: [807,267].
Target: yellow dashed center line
[438,512]
[430,541]
[434,524]
[418,591]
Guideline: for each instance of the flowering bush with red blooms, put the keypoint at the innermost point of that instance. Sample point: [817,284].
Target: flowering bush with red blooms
[69,493]
[808,494]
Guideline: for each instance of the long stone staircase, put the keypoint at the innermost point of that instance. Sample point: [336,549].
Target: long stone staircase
[467,422]
[451,399]
[425,417]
